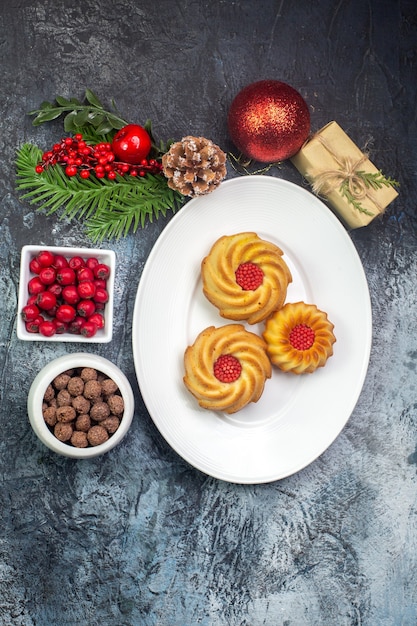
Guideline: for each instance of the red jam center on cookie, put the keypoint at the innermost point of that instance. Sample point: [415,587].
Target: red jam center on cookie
[249,276]
[227,368]
[302,337]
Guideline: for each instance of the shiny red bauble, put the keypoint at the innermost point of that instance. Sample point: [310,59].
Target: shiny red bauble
[268,121]
[131,144]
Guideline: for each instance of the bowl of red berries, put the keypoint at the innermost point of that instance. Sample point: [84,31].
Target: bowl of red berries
[66,294]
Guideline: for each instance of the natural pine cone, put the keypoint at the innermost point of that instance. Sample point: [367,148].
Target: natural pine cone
[194,166]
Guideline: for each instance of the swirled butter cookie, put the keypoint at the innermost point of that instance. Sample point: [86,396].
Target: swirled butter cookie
[226,368]
[299,338]
[245,277]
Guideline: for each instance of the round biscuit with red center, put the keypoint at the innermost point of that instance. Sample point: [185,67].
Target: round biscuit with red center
[245,277]
[299,338]
[226,368]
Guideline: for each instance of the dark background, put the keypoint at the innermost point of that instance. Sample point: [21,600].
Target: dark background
[138,536]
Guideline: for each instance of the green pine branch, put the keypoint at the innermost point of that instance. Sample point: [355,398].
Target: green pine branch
[345,192]
[109,208]
[373,180]
[377,180]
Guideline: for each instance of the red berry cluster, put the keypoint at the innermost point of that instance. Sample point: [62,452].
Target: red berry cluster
[78,157]
[66,295]
[249,276]
[302,337]
[227,368]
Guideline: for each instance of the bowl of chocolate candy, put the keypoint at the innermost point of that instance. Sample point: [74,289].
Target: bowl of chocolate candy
[80,405]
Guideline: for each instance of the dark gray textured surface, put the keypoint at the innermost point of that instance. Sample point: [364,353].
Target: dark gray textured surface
[138,537]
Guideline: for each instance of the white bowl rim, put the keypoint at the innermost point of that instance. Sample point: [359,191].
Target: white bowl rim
[46,376]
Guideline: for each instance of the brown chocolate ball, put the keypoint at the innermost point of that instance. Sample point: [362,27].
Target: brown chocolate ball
[65,414]
[63,431]
[83,422]
[116,404]
[79,439]
[81,404]
[109,387]
[49,393]
[75,386]
[92,390]
[88,373]
[49,415]
[97,435]
[64,398]
[61,381]
[99,411]
[111,424]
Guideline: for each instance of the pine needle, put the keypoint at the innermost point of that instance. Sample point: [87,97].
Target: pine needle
[373,180]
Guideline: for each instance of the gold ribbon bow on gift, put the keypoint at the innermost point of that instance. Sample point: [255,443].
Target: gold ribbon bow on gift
[349,174]
[352,182]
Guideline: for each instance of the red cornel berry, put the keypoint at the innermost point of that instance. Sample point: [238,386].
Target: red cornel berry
[227,368]
[249,276]
[302,337]
[30,312]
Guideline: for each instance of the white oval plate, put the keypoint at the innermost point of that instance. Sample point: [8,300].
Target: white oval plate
[297,417]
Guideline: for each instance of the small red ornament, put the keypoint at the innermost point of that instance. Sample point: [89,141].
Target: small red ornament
[131,144]
[269,121]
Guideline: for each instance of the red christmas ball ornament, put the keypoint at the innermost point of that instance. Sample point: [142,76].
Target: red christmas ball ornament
[131,144]
[268,121]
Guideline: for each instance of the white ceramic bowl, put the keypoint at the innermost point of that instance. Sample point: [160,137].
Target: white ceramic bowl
[47,375]
[108,257]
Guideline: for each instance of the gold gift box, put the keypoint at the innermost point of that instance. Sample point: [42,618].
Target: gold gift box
[330,159]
